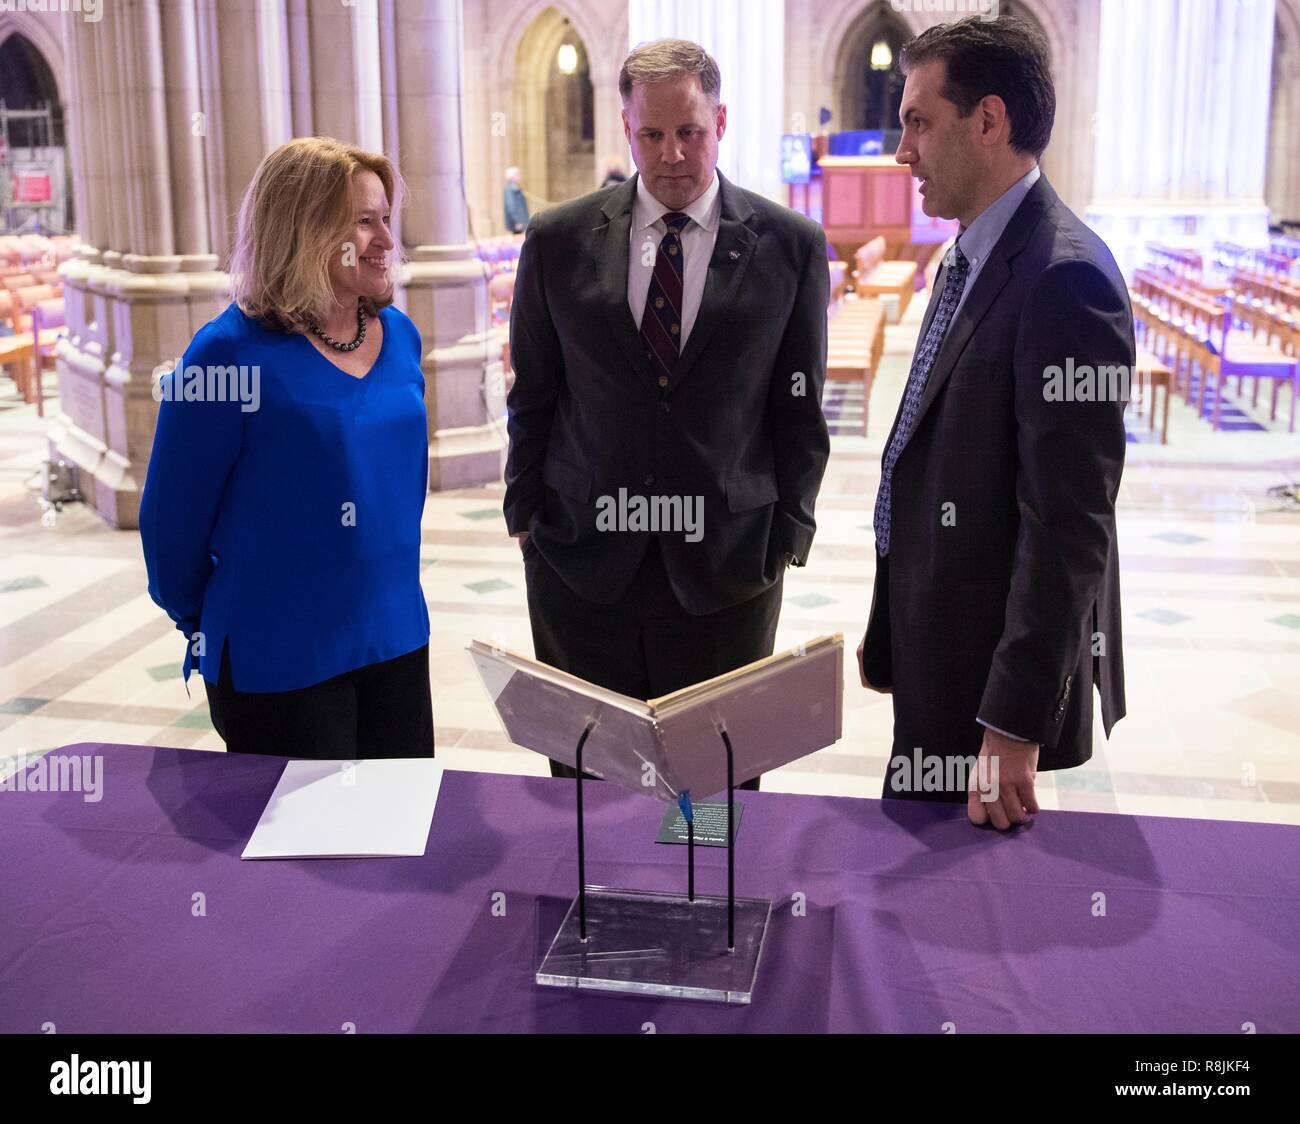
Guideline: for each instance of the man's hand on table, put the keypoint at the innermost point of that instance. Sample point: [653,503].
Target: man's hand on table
[1014,765]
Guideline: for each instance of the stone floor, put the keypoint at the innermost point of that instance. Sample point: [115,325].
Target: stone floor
[1210,576]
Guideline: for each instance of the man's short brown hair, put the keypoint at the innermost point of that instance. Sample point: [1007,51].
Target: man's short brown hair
[662,60]
[1005,57]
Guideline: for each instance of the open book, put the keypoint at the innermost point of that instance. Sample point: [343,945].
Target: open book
[774,710]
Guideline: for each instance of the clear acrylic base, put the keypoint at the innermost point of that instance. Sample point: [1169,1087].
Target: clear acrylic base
[646,943]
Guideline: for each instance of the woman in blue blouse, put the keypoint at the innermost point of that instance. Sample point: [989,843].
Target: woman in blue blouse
[281,512]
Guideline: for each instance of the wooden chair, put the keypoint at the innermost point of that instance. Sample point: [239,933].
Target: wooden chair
[876,278]
[27,299]
[17,352]
[48,317]
[501,295]
[839,272]
[1252,359]
[1152,375]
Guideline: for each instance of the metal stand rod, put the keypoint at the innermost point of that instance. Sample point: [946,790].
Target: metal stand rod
[582,849]
[690,859]
[731,846]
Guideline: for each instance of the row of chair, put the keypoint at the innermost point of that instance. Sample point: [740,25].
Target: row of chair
[1183,263]
[1182,299]
[22,277]
[1214,347]
[1277,261]
[1269,288]
[16,305]
[501,254]
[1184,345]
[33,249]
[32,320]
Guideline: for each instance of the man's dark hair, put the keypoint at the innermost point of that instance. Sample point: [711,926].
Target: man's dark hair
[1005,57]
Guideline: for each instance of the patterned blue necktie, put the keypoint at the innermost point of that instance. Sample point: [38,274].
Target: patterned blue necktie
[953,283]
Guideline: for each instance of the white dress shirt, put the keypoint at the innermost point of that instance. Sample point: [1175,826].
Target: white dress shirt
[697,237]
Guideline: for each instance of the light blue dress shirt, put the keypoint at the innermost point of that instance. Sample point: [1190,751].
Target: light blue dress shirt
[978,239]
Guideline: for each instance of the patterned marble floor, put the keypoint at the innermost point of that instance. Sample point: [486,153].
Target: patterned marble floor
[1210,575]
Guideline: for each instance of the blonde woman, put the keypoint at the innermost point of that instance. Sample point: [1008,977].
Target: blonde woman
[281,512]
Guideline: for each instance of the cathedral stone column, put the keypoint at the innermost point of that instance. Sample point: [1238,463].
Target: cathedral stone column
[1182,127]
[144,278]
[446,284]
[172,105]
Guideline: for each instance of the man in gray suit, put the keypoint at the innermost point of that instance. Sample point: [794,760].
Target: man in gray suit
[996,606]
[666,433]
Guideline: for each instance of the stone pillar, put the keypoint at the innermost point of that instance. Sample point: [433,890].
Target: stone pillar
[1182,127]
[171,108]
[143,280]
[747,38]
[446,285]
[1283,184]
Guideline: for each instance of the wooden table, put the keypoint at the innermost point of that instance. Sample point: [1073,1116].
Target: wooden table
[1152,373]
[17,352]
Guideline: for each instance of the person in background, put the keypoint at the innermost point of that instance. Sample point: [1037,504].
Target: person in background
[614,173]
[516,206]
[281,511]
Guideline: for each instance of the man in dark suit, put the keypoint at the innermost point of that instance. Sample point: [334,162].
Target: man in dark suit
[996,605]
[667,442]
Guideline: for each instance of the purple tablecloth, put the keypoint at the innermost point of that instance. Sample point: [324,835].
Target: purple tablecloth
[913,917]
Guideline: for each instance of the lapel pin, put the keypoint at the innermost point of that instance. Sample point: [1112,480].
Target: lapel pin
[733,254]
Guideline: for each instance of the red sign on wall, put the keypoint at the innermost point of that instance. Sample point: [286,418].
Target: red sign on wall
[33,187]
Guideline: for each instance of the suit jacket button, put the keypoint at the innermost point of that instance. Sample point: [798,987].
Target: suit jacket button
[663,380]
[648,481]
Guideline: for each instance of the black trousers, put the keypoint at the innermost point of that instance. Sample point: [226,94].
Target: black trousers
[382,710]
[645,645]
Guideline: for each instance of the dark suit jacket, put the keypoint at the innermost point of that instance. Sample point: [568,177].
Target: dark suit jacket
[998,615]
[739,423]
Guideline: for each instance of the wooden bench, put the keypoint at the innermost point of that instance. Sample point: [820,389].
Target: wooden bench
[1152,375]
[854,346]
[875,278]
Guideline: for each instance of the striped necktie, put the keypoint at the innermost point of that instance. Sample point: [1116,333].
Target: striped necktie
[661,323]
[953,284]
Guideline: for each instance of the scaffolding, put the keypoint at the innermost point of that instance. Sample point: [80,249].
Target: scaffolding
[25,207]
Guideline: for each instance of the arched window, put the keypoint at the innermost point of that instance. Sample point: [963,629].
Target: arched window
[32,147]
